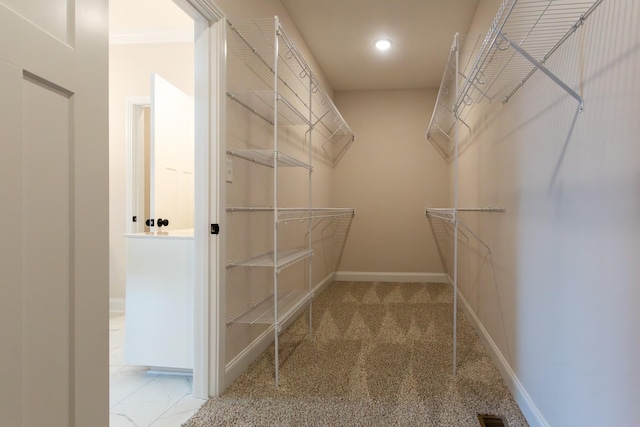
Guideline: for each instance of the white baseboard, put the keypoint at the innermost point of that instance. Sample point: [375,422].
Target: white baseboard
[317,290]
[370,276]
[242,361]
[527,406]
[117,305]
[246,357]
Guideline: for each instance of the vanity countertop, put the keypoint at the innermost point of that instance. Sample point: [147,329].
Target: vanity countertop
[186,233]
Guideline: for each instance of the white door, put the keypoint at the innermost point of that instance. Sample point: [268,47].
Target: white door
[53,213]
[172,163]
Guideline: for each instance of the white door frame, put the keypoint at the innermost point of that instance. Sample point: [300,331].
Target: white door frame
[134,174]
[208,367]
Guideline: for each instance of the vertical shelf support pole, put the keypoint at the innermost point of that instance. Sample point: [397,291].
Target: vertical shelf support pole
[455,216]
[309,230]
[276,326]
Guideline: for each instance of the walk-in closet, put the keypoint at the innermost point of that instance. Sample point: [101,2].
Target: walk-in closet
[323,189]
[420,213]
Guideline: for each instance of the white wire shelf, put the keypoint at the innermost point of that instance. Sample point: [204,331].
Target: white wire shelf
[304,99]
[269,158]
[337,145]
[270,86]
[522,37]
[335,133]
[298,214]
[253,41]
[261,104]
[448,214]
[302,214]
[443,214]
[286,258]
[263,312]
[536,26]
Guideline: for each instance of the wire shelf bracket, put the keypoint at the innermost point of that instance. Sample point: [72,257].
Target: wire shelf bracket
[545,70]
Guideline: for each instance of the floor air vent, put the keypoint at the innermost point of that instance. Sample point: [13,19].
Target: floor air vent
[492,421]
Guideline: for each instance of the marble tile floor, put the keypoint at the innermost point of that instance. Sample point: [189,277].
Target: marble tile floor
[138,398]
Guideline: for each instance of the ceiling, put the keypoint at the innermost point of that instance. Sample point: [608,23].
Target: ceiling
[340,33]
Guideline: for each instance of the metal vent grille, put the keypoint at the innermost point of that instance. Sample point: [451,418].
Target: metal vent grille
[492,421]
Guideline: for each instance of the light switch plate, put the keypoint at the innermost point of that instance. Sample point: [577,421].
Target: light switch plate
[229,163]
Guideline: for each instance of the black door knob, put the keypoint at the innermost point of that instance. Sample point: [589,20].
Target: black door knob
[149,222]
[163,222]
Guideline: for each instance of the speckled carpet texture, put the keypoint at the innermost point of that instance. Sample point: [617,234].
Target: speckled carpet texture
[380,355]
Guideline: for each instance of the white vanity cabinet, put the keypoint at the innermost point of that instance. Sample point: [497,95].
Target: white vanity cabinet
[159,300]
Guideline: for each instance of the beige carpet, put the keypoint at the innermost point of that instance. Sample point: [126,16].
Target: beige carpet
[380,355]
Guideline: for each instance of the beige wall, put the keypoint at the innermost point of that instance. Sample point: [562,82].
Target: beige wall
[130,66]
[562,306]
[390,174]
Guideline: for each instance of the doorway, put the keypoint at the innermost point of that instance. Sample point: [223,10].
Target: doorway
[173,47]
[160,160]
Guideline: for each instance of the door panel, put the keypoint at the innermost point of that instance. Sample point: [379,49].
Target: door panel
[10,245]
[46,172]
[172,148]
[54,216]
[36,251]
[51,15]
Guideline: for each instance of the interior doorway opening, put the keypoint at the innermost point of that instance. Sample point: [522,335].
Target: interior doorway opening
[152,213]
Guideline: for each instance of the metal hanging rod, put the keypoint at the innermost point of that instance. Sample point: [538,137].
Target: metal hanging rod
[480,209]
[313,217]
[266,208]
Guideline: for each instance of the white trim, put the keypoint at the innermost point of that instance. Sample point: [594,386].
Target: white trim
[131,196]
[208,375]
[202,188]
[247,356]
[204,8]
[117,305]
[369,276]
[216,212]
[317,289]
[527,406]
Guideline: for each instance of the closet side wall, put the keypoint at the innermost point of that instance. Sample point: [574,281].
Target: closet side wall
[390,175]
[562,306]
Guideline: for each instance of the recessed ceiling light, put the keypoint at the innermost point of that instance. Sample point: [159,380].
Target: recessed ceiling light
[383,43]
